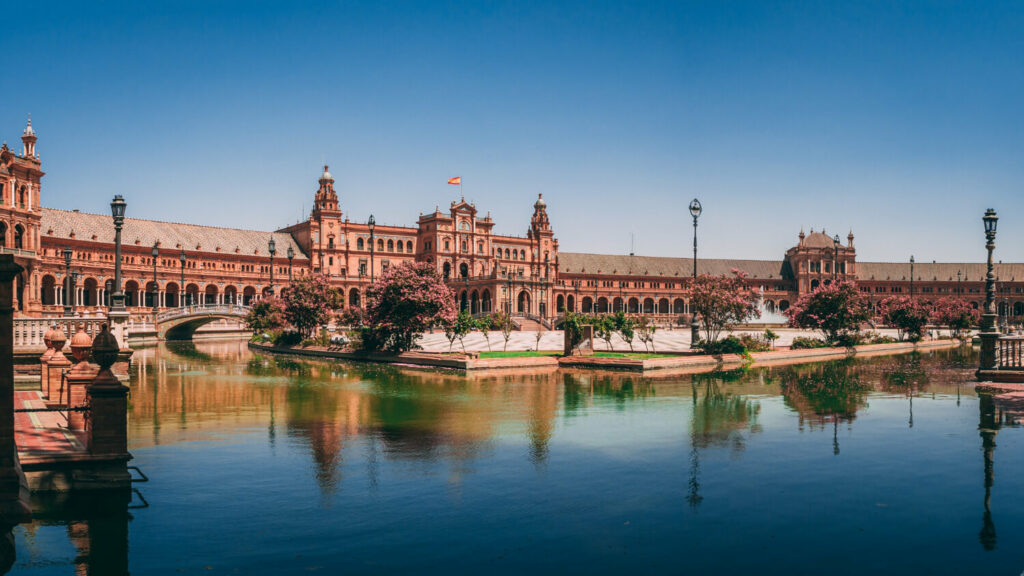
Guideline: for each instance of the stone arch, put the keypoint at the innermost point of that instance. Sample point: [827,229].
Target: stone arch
[633,306]
[663,306]
[90,292]
[618,304]
[523,302]
[172,295]
[507,256]
[474,302]
[485,301]
[769,306]
[19,237]
[3,234]
[463,300]
[231,294]
[463,270]
[380,244]
[678,306]
[192,294]
[447,270]
[131,293]
[560,303]
[570,303]
[48,290]
[151,291]
[602,304]
[587,305]
[783,305]
[248,293]
[648,305]
[814,284]
[353,297]
[1018,308]
[360,245]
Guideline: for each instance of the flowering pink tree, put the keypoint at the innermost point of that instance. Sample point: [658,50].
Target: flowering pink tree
[406,300]
[266,315]
[721,301]
[906,314]
[308,303]
[836,310]
[956,313]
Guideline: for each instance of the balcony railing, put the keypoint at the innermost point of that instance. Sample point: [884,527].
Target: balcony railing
[1010,353]
[18,252]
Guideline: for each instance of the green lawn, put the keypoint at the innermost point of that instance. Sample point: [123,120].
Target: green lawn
[520,354]
[633,355]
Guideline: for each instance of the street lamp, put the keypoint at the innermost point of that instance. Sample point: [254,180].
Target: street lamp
[182,293]
[695,210]
[835,258]
[67,283]
[988,333]
[117,208]
[74,285]
[371,223]
[156,290]
[272,248]
[911,275]
[291,254]
[959,290]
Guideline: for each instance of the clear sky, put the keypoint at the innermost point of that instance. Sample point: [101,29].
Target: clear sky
[902,121]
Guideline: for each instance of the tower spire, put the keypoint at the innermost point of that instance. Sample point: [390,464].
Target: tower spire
[28,139]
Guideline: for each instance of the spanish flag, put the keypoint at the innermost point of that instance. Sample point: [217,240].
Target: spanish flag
[455,181]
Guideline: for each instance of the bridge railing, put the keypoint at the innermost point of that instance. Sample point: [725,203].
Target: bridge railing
[228,309]
[1010,353]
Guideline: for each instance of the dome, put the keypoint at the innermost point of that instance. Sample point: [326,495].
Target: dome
[818,240]
[28,129]
[540,203]
[326,176]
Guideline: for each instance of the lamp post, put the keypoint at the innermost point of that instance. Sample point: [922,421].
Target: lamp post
[695,210]
[371,223]
[291,255]
[911,275]
[272,248]
[117,208]
[989,335]
[156,289]
[182,293]
[835,258]
[74,285]
[67,283]
[959,290]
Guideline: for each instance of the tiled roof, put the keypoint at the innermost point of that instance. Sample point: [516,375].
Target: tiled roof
[941,271]
[192,237]
[614,264]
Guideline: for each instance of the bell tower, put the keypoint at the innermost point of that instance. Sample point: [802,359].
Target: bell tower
[28,139]
[326,200]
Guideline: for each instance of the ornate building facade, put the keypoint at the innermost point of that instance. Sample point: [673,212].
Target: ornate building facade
[69,255]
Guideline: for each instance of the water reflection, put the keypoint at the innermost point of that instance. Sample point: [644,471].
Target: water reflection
[416,455]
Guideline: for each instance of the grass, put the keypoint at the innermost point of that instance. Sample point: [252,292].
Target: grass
[633,355]
[520,354]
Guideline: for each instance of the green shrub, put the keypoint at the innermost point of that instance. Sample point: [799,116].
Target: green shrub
[728,345]
[288,338]
[753,343]
[876,338]
[801,343]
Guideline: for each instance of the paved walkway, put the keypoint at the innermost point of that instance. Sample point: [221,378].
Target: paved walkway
[664,340]
[42,433]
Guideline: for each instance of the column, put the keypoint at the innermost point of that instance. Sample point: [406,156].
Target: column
[13,489]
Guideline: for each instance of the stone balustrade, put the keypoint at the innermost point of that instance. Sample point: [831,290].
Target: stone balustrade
[28,332]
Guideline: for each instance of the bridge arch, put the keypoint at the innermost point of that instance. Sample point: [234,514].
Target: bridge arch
[181,323]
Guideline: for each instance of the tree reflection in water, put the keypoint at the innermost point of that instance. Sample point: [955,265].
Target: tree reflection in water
[719,419]
[821,394]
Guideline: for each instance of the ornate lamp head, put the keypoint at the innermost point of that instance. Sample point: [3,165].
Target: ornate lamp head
[272,246]
[990,220]
[117,207]
[695,208]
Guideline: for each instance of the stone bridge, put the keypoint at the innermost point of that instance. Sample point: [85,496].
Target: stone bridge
[181,323]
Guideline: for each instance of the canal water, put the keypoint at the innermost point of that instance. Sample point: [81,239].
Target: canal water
[264,465]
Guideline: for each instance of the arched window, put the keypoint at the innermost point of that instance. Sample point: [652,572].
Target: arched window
[463,270]
[19,237]
[447,245]
[522,254]
[408,246]
[480,247]
[507,253]
[380,245]
[465,248]
[21,197]
[359,244]
[515,255]
[391,245]
[3,235]
[447,270]
[330,242]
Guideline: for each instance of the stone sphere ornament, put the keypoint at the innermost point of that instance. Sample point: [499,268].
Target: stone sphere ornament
[57,338]
[105,349]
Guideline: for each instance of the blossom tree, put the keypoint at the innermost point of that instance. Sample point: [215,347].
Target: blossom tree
[406,300]
[837,310]
[722,301]
[956,313]
[308,303]
[906,314]
[265,315]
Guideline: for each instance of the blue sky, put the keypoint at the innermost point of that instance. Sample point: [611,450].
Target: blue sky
[901,121]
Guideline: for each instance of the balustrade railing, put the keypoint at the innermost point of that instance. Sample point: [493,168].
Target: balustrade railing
[1010,353]
[231,309]
[28,332]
